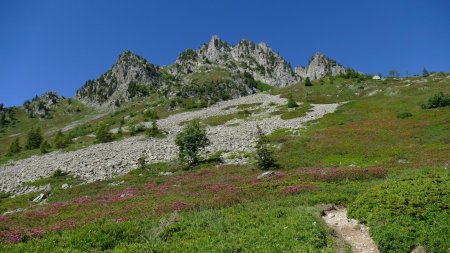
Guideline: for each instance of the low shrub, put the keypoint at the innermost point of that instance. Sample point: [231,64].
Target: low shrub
[154,131]
[294,189]
[291,102]
[338,174]
[408,211]
[102,134]
[404,115]
[136,128]
[263,86]
[308,82]
[438,100]
[58,173]
[151,114]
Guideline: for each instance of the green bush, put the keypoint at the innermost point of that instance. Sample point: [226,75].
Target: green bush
[154,131]
[408,211]
[34,139]
[308,82]
[404,115]
[438,100]
[44,147]
[141,162]
[136,128]
[291,102]
[14,148]
[102,134]
[151,114]
[263,86]
[61,140]
[264,156]
[190,141]
[58,173]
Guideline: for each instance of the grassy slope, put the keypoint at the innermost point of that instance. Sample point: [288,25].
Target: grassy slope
[366,131]
[63,115]
[227,207]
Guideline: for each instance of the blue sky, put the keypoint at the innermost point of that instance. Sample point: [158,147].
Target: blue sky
[58,45]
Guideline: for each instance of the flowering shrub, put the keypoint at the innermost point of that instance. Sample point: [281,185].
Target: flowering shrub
[179,205]
[337,174]
[82,200]
[58,205]
[294,189]
[278,174]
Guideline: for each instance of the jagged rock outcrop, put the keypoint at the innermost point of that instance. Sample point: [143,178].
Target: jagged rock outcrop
[257,59]
[41,105]
[215,71]
[130,76]
[320,66]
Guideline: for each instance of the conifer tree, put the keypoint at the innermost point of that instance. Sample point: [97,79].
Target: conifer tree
[34,139]
[14,148]
[44,147]
[308,82]
[264,156]
[425,72]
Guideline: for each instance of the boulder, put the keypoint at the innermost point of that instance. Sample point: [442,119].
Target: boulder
[39,198]
[266,174]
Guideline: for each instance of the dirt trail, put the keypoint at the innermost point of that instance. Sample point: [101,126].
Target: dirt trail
[350,230]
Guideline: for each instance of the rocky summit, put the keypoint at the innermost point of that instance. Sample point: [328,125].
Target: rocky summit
[240,67]
[320,66]
[121,82]
[40,106]
[257,59]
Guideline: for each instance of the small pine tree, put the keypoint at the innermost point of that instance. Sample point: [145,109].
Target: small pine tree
[141,162]
[291,102]
[14,148]
[2,119]
[102,134]
[120,131]
[44,147]
[425,72]
[394,73]
[34,139]
[60,140]
[308,82]
[264,156]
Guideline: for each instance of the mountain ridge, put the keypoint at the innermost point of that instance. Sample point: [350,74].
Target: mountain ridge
[132,75]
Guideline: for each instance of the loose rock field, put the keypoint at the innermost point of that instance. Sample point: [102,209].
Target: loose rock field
[104,161]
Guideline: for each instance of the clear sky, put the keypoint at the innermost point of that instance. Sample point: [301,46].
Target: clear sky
[58,45]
